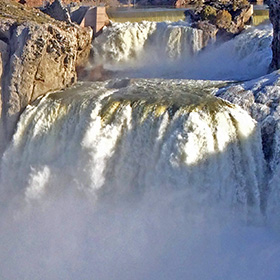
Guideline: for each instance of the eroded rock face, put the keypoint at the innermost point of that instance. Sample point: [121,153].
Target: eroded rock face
[40,55]
[274,16]
[3,60]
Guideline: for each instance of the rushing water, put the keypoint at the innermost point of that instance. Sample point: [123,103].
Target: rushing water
[141,178]
[174,50]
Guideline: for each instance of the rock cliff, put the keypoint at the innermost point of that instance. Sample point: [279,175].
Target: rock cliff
[228,17]
[38,55]
[274,16]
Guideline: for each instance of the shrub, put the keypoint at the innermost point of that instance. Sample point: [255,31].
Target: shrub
[223,19]
[208,13]
[239,4]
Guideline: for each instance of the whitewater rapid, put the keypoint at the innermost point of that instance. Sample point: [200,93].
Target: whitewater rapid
[157,179]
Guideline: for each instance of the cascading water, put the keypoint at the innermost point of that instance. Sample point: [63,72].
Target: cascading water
[175,50]
[123,42]
[143,138]
[141,178]
[127,175]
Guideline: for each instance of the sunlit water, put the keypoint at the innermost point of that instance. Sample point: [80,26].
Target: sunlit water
[144,178]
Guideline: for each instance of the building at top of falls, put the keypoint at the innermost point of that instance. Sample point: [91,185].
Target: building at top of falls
[95,17]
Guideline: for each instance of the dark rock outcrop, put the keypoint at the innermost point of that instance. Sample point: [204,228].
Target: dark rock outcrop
[228,16]
[57,11]
[209,31]
[274,16]
[38,55]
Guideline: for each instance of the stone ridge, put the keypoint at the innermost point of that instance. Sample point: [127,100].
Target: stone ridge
[38,55]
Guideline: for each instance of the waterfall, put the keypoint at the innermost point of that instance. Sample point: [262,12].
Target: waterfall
[155,178]
[123,180]
[135,42]
[137,138]
[175,50]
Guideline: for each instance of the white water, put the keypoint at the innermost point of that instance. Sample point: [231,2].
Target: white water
[173,50]
[138,179]
[123,42]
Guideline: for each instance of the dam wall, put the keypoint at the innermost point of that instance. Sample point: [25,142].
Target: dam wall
[153,14]
[96,18]
[260,14]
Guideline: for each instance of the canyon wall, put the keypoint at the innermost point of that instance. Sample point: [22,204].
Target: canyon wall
[274,16]
[38,55]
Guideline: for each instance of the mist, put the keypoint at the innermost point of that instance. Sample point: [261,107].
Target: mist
[73,239]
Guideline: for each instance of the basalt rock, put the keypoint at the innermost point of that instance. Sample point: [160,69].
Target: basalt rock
[38,55]
[209,31]
[228,16]
[57,11]
[274,16]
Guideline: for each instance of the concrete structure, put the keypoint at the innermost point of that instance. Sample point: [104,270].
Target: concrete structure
[138,15]
[95,17]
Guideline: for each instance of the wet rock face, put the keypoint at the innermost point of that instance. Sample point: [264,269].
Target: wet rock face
[274,16]
[3,60]
[39,55]
[209,31]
